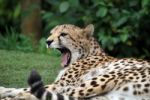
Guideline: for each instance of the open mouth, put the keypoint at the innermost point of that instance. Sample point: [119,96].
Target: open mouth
[66,56]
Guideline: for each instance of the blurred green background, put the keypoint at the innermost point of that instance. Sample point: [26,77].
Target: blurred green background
[122,27]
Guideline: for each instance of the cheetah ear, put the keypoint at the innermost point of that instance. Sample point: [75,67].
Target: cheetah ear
[89,29]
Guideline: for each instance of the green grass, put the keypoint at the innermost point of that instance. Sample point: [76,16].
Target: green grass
[15,67]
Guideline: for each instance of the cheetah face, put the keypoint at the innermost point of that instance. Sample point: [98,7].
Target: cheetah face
[68,39]
[59,44]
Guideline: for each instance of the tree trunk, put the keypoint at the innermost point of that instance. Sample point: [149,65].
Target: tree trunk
[31,19]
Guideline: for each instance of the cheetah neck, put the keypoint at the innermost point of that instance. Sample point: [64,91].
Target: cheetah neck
[90,48]
[95,49]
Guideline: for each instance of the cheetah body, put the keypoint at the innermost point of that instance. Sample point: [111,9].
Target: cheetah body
[89,73]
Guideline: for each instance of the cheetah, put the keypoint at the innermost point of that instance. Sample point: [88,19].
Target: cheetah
[88,73]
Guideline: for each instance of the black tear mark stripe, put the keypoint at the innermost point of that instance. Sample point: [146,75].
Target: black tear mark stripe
[59,40]
[71,38]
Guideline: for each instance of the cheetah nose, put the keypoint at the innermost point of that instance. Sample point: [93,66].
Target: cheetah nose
[49,42]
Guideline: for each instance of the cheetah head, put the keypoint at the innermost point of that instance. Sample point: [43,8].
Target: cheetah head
[71,41]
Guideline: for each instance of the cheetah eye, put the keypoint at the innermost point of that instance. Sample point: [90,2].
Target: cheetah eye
[63,34]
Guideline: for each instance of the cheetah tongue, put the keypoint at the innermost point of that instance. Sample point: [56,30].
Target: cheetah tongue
[65,59]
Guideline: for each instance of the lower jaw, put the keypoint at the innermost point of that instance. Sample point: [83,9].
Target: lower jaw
[66,57]
[66,65]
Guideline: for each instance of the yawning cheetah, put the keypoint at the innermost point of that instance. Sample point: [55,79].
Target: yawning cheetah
[88,72]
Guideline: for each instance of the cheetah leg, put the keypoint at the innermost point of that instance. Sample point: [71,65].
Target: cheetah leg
[11,92]
[18,94]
